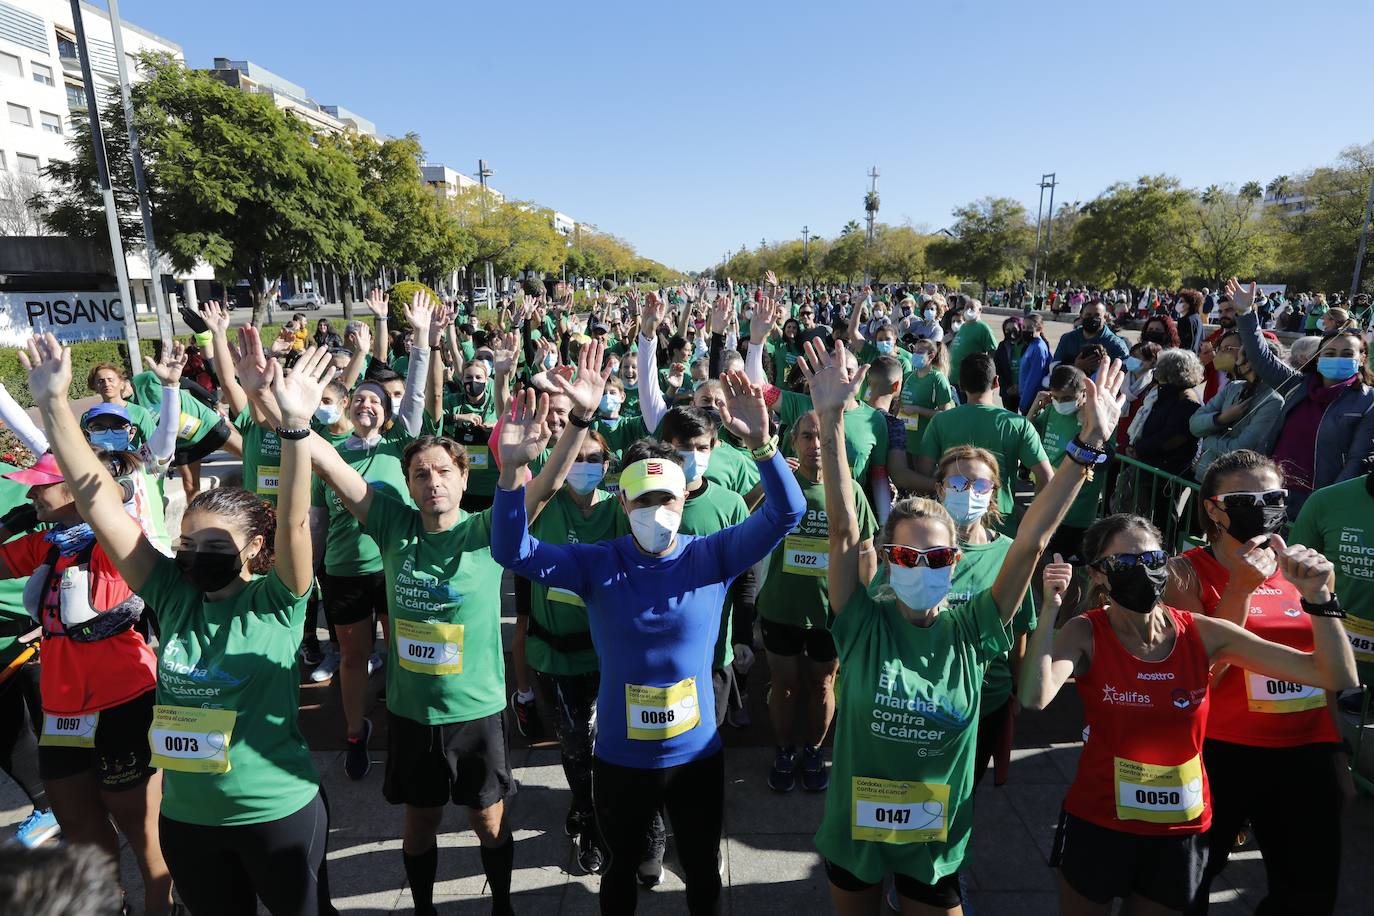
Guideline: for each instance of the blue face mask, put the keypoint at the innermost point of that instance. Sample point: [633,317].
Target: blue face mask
[328,414]
[919,360]
[609,404]
[550,361]
[1132,364]
[71,539]
[884,346]
[114,440]
[1337,368]
[586,476]
[921,588]
[694,464]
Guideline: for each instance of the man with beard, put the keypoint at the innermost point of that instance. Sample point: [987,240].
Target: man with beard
[1092,328]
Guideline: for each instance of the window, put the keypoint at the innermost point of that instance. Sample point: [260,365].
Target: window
[52,124]
[9,65]
[66,48]
[76,97]
[20,115]
[26,165]
[42,73]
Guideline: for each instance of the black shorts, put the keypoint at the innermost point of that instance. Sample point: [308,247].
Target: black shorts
[202,448]
[1102,864]
[467,763]
[787,640]
[352,599]
[120,757]
[943,894]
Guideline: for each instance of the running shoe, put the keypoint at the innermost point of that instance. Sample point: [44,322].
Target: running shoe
[651,866]
[38,828]
[575,822]
[310,652]
[526,716]
[589,857]
[375,662]
[357,761]
[329,665]
[783,776]
[815,777]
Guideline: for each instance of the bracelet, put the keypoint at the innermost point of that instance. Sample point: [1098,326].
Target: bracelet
[765,451]
[1085,455]
[581,423]
[1331,608]
[293,434]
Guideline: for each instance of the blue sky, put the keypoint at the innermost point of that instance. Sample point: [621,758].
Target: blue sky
[692,128]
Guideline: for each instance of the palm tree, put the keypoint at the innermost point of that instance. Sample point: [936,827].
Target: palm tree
[1212,194]
[851,226]
[871,202]
[1251,190]
[1278,187]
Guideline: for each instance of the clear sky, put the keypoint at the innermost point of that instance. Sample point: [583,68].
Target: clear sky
[694,127]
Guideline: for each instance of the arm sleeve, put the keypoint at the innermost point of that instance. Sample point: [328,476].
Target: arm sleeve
[652,406]
[18,419]
[1272,370]
[522,553]
[753,364]
[413,400]
[1066,348]
[1203,423]
[714,354]
[163,443]
[1360,446]
[740,546]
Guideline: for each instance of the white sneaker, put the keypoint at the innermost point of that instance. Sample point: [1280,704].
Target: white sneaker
[327,667]
[375,662]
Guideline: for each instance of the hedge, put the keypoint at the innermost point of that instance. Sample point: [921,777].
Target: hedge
[399,296]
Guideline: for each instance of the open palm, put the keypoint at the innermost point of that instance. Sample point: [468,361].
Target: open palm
[833,383]
[49,365]
[168,368]
[586,388]
[745,413]
[298,391]
[376,303]
[250,363]
[525,432]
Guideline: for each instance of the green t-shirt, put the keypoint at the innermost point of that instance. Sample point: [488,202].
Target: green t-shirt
[624,432]
[261,457]
[334,439]
[14,620]
[558,610]
[732,468]
[905,730]
[347,550]
[784,357]
[1009,436]
[1314,316]
[238,654]
[196,419]
[973,337]
[794,592]
[976,572]
[930,390]
[1057,431]
[865,432]
[482,471]
[445,662]
[143,421]
[1339,521]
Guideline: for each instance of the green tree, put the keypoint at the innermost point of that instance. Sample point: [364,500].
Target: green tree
[1317,245]
[849,227]
[1228,237]
[991,243]
[900,253]
[1129,235]
[844,258]
[1251,190]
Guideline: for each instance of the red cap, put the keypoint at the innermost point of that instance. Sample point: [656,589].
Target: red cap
[45,471]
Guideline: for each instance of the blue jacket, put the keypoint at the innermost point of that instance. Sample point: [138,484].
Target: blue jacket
[654,620]
[1345,436]
[1076,340]
[1035,365]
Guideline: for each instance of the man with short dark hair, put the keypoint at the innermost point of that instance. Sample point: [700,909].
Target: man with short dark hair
[1092,328]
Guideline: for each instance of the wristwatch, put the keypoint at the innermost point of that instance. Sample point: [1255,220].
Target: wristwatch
[1084,454]
[581,423]
[1330,608]
[765,451]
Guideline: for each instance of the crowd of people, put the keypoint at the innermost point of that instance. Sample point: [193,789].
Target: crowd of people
[923,528]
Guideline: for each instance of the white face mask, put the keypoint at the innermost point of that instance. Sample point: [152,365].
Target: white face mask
[654,527]
[966,506]
[694,463]
[1066,407]
[970,314]
[921,588]
[585,476]
[955,325]
[395,407]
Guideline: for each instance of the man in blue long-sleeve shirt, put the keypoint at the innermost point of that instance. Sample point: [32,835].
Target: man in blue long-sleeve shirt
[1092,329]
[653,601]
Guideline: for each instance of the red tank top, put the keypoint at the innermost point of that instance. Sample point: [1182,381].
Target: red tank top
[1141,769]
[1254,709]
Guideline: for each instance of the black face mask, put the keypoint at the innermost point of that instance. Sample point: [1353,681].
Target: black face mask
[1154,336]
[476,390]
[209,571]
[1092,325]
[1137,588]
[1251,521]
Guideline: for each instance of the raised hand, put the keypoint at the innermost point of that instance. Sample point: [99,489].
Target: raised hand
[505,349]
[720,314]
[525,431]
[1058,575]
[771,279]
[168,369]
[655,310]
[251,365]
[833,382]
[214,315]
[377,305]
[744,413]
[1311,573]
[765,318]
[443,317]
[1243,297]
[420,312]
[49,365]
[1101,409]
[298,391]
[586,388]
[359,341]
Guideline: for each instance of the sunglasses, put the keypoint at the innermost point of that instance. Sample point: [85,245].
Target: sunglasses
[1150,559]
[958,483]
[1270,499]
[911,557]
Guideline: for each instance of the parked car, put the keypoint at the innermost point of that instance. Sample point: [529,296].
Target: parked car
[307,301]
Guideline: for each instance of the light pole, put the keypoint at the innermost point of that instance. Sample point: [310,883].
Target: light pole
[1035,270]
[871,207]
[806,250]
[483,173]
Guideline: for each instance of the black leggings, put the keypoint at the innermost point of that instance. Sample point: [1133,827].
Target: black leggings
[225,871]
[627,798]
[1298,831]
[989,733]
[574,699]
[19,711]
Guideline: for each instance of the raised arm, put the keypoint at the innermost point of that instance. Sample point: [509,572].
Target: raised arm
[217,322]
[832,385]
[97,496]
[652,405]
[21,424]
[359,342]
[1053,657]
[420,314]
[297,393]
[584,393]
[163,443]
[377,305]
[1272,370]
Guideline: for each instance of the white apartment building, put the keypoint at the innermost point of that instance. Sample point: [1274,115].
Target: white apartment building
[290,97]
[447,182]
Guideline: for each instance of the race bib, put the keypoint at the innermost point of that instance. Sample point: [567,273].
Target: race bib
[803,556]
[898,811]
[611,483]
[563,596]
[191,740]
[1267,694]
[479,457]
[69,731]
[1360,632]
[269,478]
[660,713]
[429,648]
[913,424]
[187,426]
[1158,794]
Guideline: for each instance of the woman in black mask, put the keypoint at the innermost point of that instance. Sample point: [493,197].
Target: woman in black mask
[1136,817]
[1260,726]
[1160,329]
